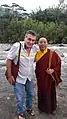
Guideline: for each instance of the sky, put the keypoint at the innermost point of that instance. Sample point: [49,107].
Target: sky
[30,5]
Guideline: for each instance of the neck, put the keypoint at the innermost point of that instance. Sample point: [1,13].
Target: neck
[42,50]
[27,49]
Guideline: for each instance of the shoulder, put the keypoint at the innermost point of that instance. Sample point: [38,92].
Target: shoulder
[13,51]
[51,50]
[35,47]
[16,45]
[14,48]
[56,55]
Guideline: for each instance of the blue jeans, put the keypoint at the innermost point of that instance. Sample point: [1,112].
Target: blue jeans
[19,90]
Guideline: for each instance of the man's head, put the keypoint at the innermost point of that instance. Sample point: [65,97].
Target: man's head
[42,43]
[30,38]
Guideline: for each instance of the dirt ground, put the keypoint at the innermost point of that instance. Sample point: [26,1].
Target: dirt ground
[8,105]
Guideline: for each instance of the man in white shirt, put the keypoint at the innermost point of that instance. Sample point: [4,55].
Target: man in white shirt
[25,74]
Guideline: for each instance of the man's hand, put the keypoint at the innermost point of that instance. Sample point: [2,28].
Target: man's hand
[11,80]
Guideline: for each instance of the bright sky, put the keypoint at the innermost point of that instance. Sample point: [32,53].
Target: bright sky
[32,4]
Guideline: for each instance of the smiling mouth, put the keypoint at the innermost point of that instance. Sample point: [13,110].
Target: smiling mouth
[42,47]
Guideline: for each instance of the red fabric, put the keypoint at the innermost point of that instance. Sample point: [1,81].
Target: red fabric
[47,101]
[44,80]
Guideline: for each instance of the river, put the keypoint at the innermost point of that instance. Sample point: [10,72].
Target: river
[7,102]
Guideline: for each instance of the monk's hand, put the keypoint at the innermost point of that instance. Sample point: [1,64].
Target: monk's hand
[50,71]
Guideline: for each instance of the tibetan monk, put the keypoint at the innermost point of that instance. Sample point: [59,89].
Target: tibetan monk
[47,77]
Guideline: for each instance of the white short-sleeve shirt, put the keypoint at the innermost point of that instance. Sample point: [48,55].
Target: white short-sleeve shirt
[26,69]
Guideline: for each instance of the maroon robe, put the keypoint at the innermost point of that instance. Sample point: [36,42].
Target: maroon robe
[46,84]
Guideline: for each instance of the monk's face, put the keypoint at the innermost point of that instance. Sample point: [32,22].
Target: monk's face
[42,44]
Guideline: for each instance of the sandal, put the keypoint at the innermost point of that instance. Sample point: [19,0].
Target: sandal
[31,112]
[21,117]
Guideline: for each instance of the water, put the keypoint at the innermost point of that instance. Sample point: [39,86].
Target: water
[3,53]
[62,51]
[7,105]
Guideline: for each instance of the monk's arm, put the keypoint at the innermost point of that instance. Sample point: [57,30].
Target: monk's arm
[57,68]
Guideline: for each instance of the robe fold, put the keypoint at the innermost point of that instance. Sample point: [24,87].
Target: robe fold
[46,84]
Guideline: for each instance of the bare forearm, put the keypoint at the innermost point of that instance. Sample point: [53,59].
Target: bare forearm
[8,66]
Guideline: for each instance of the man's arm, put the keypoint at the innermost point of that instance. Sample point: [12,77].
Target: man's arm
[11,55]
[9,75]
[8,66]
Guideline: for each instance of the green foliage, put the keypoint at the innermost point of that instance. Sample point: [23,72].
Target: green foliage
[50,23]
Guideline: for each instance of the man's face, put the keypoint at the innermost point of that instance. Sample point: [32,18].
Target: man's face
[42,43]
[29,40]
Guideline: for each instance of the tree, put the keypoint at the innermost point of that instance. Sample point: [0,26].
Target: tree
[14,11]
